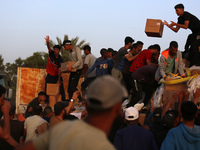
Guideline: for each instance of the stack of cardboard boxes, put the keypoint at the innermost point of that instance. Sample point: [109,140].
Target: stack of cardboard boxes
[53,91]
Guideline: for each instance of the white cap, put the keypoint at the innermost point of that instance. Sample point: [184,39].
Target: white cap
[139,106]
[131,114]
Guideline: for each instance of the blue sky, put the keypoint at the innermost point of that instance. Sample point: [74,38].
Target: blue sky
[103,24]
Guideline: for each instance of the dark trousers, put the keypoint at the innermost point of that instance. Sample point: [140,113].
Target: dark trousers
[85,84]
[54,79]
[138,89]
[73,82]
[127,81]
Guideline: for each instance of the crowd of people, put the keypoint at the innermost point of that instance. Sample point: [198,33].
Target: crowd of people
[117,89]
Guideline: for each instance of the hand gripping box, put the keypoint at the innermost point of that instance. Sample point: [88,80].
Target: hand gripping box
[64,67]
[154,27]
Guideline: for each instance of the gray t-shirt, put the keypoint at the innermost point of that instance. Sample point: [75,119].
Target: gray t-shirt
[122,51]
[90,60]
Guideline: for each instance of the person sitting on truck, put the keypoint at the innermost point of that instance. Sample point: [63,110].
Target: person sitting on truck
[170,62]
[35,102]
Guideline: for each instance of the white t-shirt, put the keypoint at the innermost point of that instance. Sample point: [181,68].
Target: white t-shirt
[90,60]
[73,135]
[31,124]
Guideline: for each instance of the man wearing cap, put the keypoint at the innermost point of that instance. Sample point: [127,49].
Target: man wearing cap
[74,56]
[134,136]
[186,136]
[53,67]
[187,20]
[104,99]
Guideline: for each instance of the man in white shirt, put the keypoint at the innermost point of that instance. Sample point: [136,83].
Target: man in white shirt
[31,123]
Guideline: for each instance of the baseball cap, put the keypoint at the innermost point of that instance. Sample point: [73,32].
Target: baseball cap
[66,42]
[168,120]
[131,114]
[104,92]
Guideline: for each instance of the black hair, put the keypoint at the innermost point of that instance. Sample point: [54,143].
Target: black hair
[179,6]
[103,51]
[114,53]
[57,46]
[174,44]
[37,110]
[135,45]
[128,39]
[41,93]
[140,42]
[58,107]
[155,46]
[47,110]
[188,110]
[87,47]
[110,50]
[2,90]
[150,47]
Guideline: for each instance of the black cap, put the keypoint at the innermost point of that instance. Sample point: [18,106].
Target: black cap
[66,42]
[168,120]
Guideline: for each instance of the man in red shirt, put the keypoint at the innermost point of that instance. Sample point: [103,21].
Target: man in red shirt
[144,58]
[53,67]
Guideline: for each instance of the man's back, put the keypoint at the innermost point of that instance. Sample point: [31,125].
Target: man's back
[73,135]
[134,137]
[31,124]
[183,138]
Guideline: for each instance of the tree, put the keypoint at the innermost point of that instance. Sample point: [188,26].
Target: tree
[74,41]
[37,60]
[2,67]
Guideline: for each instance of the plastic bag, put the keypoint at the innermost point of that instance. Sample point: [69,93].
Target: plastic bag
[158,96]
[192,86]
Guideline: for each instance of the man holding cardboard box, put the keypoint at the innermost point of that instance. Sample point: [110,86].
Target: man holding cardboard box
[53,67]
[74,56]
[187,20]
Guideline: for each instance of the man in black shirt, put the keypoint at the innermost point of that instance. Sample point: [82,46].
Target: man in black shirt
[35,102]
[187,20]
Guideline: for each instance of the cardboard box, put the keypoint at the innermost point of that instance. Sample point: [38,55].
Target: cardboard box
[142,118]
[64,67]
[170,90]
[53,89]
[53,100]
[154,28]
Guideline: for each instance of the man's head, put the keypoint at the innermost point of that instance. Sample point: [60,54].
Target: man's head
[170,119]
[37,110]
[188,111]
[67,45]
[48,112]
[173,48]
[140,45]
[135,48]
[128,41]
[59,108]
[110,51]
[104,53]
[131,115]
[56,49]
[2,94]
[157,114]
[104,93]
[155,49]
[114,54]
[179,9]
[41,96]
[87,49]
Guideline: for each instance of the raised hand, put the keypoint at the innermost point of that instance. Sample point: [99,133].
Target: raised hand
[47,38]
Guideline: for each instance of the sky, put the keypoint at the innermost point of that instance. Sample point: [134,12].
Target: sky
[102,23]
